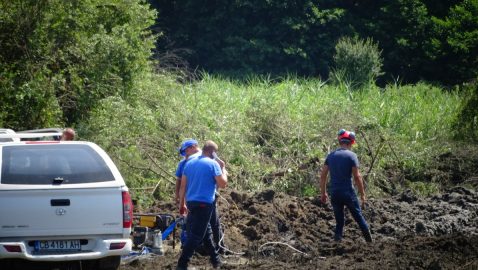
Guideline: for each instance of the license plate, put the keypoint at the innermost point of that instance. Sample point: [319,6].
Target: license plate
[58,245]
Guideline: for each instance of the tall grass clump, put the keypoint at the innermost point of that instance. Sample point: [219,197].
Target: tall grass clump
[420,112]
[408,127]
[466,124]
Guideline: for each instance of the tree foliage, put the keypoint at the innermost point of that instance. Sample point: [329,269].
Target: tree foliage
[59,58]
[419,39]
[456,42]
[263,36]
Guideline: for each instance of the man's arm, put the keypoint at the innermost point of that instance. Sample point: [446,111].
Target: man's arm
[176,194]
[219,166]
[182,195]
[359,183]
[221,180]
[323,181]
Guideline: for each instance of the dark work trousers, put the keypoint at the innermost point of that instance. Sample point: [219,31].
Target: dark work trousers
[198,229]
[216,228]
[346,198]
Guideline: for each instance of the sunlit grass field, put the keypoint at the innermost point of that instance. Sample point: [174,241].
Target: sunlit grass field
[276,133]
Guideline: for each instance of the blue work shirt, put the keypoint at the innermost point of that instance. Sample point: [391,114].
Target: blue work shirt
[182,163]
[340,163]
[200,173]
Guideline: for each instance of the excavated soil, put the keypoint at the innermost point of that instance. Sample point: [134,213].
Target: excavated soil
[270,230]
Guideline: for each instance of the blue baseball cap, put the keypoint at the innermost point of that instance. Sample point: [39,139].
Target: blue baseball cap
[185,145]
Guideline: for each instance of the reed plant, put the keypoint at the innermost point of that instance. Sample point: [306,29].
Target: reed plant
[275,133]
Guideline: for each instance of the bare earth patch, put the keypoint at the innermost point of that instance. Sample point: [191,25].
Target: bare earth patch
[276,231]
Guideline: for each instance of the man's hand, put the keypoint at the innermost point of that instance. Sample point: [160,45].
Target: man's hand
[323,180]
[183,210]
[324,197]
[359,183]
[222,164]
[363,199]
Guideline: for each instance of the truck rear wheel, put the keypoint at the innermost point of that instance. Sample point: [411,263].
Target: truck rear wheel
[107,263]
[6,264]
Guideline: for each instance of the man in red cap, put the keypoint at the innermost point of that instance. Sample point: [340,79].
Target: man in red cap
[342,165]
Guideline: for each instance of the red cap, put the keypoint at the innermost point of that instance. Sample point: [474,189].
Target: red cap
[346,136]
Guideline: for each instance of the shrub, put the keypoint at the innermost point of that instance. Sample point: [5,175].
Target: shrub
[357,62]
[58,59]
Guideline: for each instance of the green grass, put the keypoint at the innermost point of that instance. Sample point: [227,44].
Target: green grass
[274,133]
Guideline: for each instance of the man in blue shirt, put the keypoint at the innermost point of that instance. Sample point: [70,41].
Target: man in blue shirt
[342,165]
[201,177]
[189,149]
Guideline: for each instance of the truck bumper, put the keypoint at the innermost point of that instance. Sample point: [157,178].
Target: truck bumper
[100,248]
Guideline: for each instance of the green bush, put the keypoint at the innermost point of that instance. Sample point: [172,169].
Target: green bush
[357,62]
[58,59]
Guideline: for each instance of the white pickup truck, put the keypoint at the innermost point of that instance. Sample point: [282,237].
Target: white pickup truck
[62,201]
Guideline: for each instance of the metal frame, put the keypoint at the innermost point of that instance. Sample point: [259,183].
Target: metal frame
[29,134]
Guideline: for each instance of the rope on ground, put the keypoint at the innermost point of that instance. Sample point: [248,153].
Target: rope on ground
[281,243]
[222,198]
[221,243]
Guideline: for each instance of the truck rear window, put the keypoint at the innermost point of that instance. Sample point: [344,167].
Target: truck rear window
[53,164]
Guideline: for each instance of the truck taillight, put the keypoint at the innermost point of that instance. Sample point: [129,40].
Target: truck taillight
[13,248]
[120,245]
[127,210]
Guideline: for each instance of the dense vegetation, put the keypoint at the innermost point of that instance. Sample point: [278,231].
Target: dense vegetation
[91,65]
[276,134]
[59,58]
[434,40]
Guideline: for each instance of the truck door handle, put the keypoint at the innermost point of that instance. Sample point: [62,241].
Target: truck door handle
[60,202]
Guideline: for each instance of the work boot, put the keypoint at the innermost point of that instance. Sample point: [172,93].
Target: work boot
[338,238]
[217,264]
[368,236]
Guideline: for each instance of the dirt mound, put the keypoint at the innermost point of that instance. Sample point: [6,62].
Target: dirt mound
[275,231]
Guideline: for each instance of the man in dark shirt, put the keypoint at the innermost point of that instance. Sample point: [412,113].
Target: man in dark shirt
[342,165]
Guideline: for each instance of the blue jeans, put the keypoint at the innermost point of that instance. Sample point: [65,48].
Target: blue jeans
[216,228]
[341,199]
[198,229]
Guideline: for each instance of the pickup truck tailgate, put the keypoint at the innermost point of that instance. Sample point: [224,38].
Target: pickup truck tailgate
[44,212]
